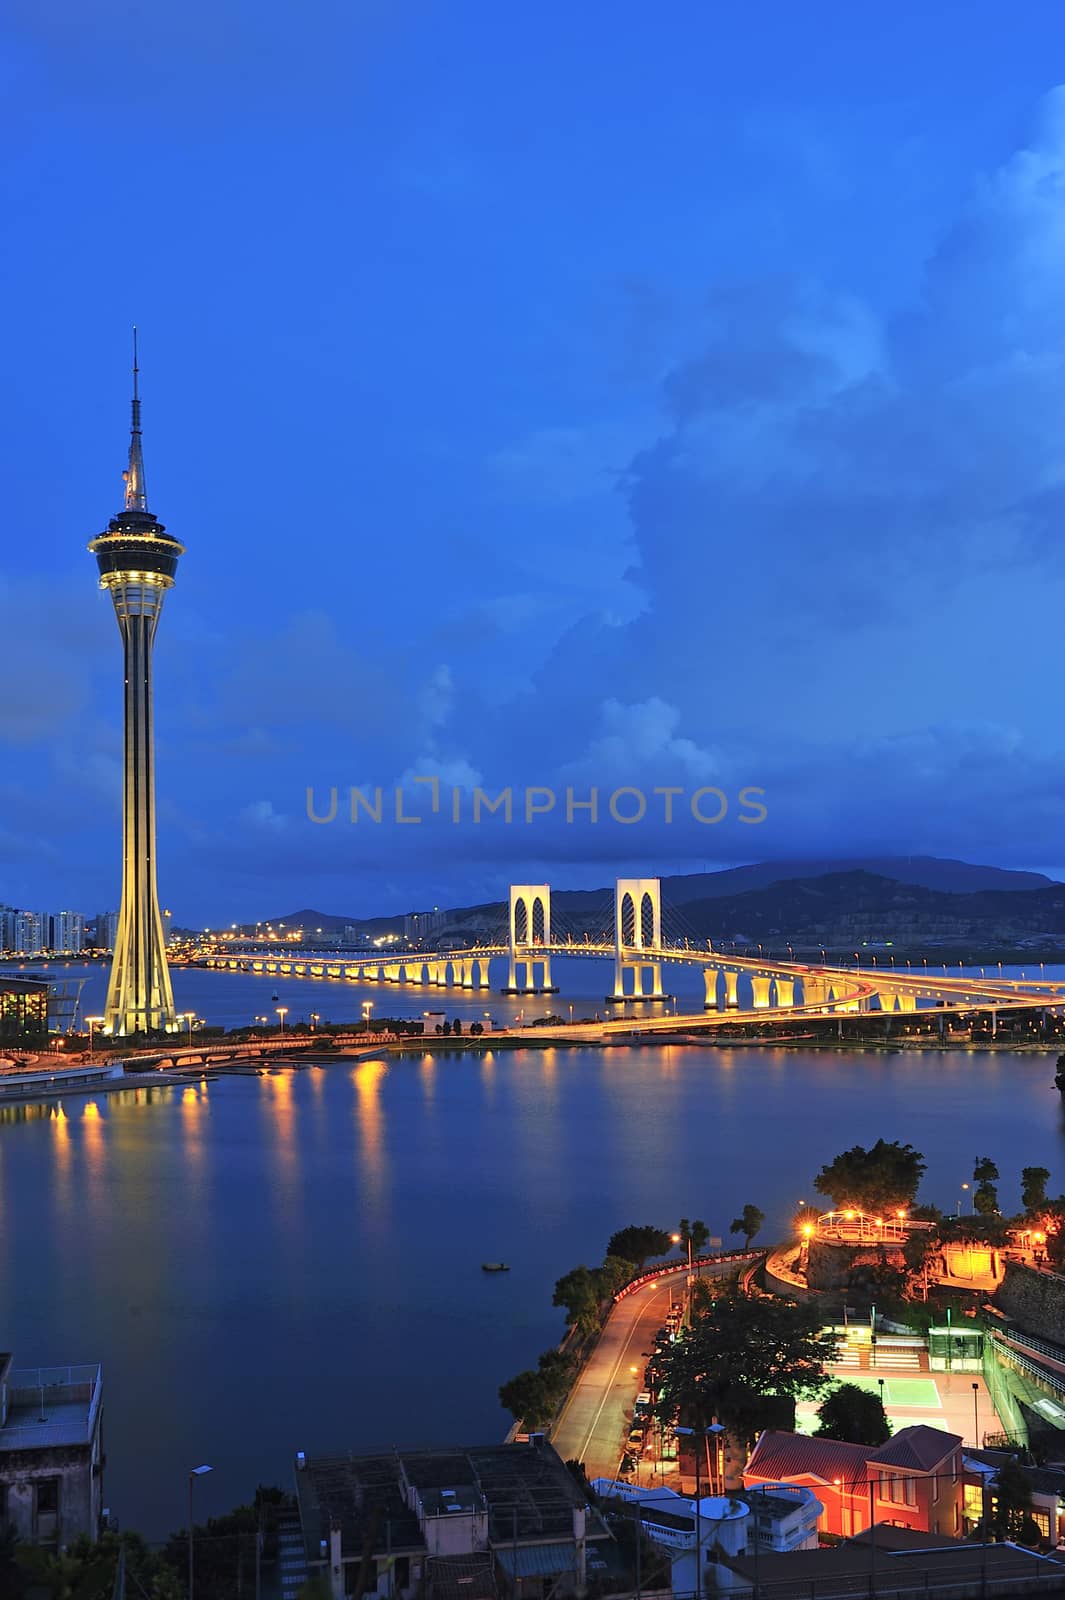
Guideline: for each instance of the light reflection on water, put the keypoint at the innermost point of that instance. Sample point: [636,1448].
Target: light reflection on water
[292,1261]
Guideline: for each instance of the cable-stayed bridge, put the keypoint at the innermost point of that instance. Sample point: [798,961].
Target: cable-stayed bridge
[645,944]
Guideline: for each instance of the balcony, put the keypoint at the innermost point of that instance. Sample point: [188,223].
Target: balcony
[51,1407]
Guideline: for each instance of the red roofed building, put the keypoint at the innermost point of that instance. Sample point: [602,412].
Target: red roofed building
[915,1480]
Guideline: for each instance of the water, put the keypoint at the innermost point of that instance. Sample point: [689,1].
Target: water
[291,1262]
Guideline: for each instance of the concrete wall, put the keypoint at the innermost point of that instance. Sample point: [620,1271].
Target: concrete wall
[1034,1300]
[79,1493]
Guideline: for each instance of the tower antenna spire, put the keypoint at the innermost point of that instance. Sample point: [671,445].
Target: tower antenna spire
[136,488]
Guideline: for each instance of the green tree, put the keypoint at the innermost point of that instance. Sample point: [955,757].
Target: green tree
[697,1232]
[742,1357]
[579,1294]
[1011,1502]
[456,1026]
[985,1195]
[749,1223]
[1034,1182]
[529,1398]
[613,1275]
[638,1244]
[883,1178]
[854,1415]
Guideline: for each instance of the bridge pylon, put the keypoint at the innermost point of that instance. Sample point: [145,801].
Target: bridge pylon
[637,938]
[529,940]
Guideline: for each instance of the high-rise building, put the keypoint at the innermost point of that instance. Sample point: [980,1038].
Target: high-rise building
[68,932]
[106,929]
[138,559]
[30,933]
[7,927]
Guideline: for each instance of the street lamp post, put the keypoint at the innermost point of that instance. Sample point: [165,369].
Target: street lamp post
[197,1472]
[190,1018]
[976,1415]
[94,1022]
[282,1012]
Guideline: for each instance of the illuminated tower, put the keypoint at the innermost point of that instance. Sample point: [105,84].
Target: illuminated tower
[137,560]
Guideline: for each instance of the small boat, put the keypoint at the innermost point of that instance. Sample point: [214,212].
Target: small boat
[275,997]
[494,1266]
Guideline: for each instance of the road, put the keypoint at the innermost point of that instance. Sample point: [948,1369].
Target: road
[594,1425]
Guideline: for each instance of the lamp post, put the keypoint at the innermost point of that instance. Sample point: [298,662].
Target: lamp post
[700,1434]
[197,1472]
[315,1019]
[282,1012]
[94,1022]
[367,1007]
[189,1019]
[976,1416]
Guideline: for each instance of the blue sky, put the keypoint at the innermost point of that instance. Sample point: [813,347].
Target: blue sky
[546,396]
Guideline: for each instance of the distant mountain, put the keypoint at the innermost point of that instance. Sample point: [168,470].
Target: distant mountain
[841,909]
[914,898]
[928,872]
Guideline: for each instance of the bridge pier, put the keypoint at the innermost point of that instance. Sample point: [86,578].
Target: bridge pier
[732,979]
[710,977]
[785,991]
[760,992]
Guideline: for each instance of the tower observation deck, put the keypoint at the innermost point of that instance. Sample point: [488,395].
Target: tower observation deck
[138,560]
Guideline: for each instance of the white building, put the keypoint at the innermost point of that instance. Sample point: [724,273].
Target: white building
[68,932]
[675,1522]
[31,932]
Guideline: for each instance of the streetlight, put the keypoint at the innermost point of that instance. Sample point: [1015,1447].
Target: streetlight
[197,1472]
[976,1415]
[367,1007]
[702,1434]
[190,1017]
[315,1019]
[94,1022]
[282,1012]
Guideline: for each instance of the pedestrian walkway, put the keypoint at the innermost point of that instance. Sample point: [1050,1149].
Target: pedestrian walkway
[291,1559]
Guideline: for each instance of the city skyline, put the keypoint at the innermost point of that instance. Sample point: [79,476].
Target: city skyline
[531,471]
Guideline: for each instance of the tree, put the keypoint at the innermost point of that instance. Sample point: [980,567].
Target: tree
[749,1222]
[854,1415]
[638,1244]
[456,1026]
[883,1178]
[1011,1508]
[528,1398]
[1034,1182]
[985,1195]
[613,1275]
[741,1358]
[696,1232]
[578,1294]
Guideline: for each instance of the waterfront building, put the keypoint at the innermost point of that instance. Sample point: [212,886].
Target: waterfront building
[51,1452]
[7,927]
[68,933]
[23,1011]
[461,1524]
[30,934]
[421,925]
[106,929]
[915,1480]
[137,561]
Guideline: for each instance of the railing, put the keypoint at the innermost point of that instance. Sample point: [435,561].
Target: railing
[672,1268]
[1052,1380]
[1053,1352]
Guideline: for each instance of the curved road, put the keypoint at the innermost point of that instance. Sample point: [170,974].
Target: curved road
[594,1424]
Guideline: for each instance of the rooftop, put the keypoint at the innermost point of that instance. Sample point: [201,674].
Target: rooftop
[853,1570]
[525,1490]
[50,1407]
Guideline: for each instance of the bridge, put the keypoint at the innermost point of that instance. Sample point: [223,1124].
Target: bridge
[773,992]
